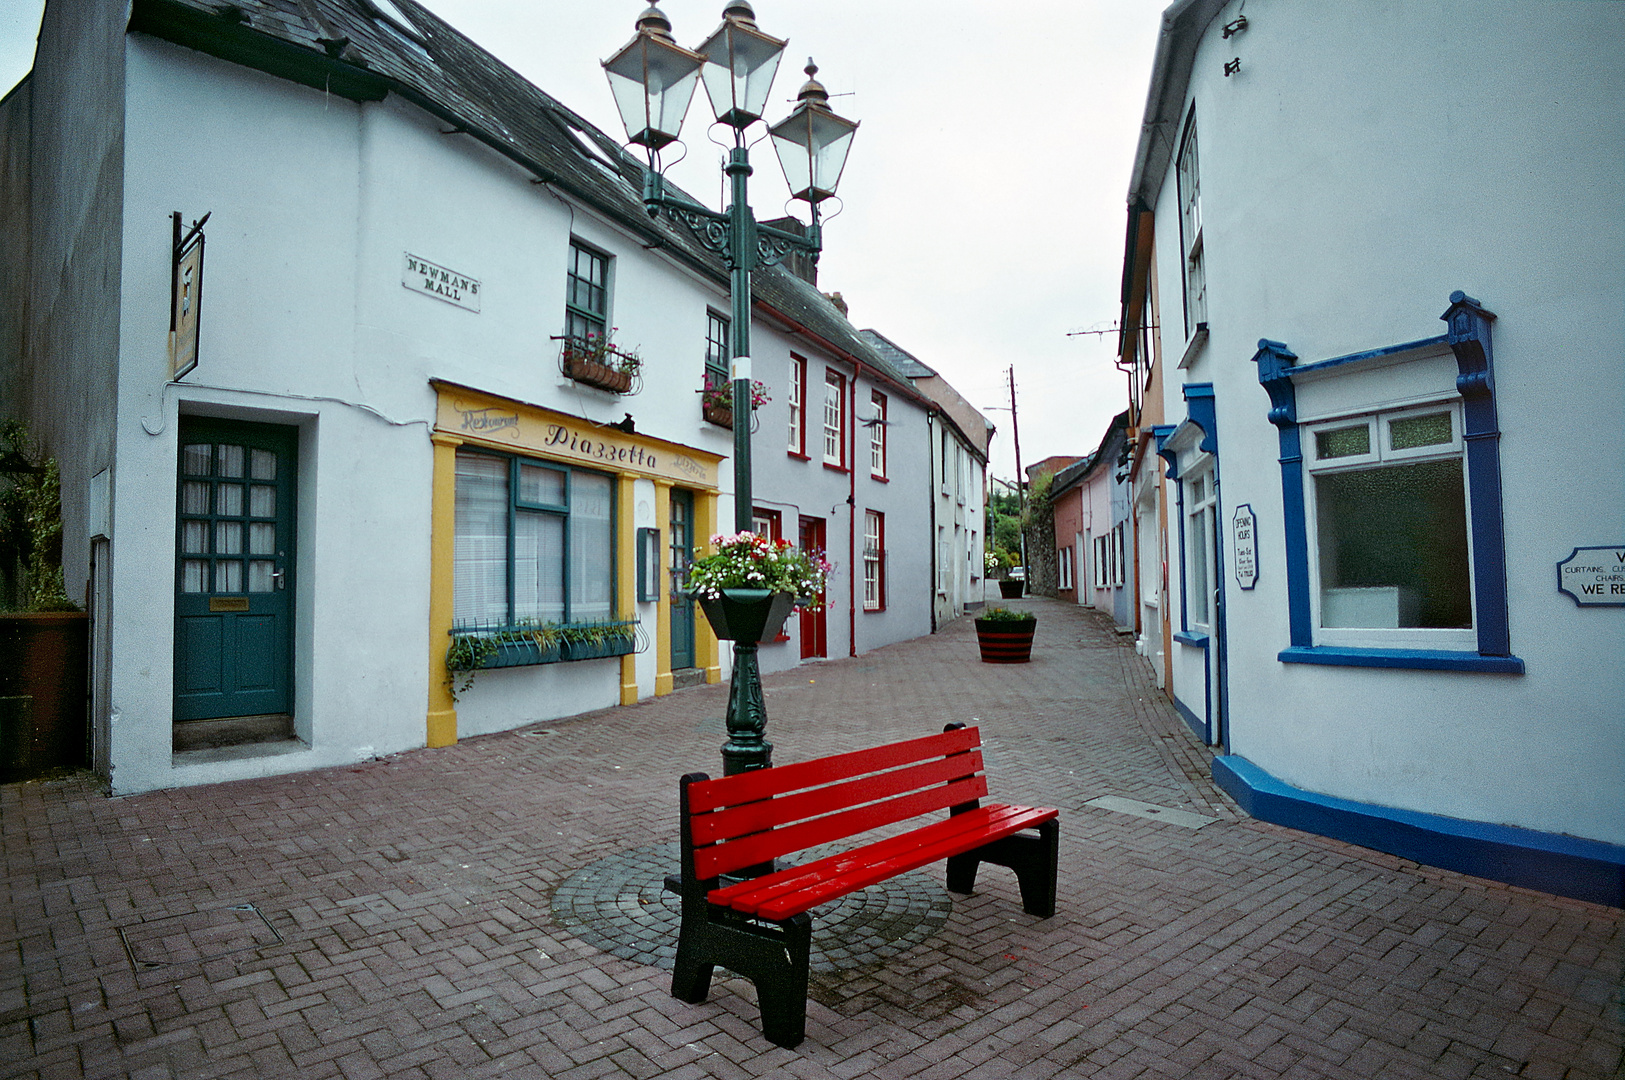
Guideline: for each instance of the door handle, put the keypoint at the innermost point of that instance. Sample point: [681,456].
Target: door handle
[277,581]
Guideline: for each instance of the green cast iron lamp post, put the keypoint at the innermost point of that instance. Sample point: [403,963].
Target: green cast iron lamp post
[653,80]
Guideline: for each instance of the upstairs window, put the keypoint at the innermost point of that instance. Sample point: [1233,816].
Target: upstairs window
[586,294]
[877,436]
[1190,230]
[834,418]
[717,349]
[798,405]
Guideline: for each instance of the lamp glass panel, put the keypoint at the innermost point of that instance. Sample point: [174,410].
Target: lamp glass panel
[653,83]
[812,144]
[739,67]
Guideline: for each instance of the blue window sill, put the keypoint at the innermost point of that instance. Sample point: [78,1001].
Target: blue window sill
[1197,640]
[1418,659]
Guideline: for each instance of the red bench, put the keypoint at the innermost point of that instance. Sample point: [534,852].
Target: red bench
[761,926]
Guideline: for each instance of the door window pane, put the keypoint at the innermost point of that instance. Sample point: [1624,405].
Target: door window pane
[261,465]
[195,458]
[262,501]
[228,576]
[228,538]
[195,575]
[194,537]
[229,500]
[260,579]
[261,539]
[231,461]
[194,497]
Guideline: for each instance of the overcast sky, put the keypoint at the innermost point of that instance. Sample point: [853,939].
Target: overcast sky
[984,198]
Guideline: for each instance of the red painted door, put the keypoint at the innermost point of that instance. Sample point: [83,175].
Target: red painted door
[814,627]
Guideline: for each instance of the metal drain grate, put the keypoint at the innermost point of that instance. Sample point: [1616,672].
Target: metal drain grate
[197,936]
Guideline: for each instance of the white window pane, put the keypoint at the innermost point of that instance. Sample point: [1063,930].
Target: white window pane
[228,538]
[539,486]
[231,461]
[1433,429]
[480,550]
[538,567]
[228,576]
[262,539]
[1342,442]
[195,537]
[1393,547]
[229,500]
[261,465]
[592,549]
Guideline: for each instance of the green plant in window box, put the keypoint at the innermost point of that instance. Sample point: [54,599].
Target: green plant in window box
[595,359]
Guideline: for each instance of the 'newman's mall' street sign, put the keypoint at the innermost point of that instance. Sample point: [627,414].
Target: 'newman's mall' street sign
[421,275]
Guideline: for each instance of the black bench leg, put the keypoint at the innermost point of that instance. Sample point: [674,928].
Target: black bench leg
[962,873]
[781,990]
[691,977]
[1038,869]
[1035,859]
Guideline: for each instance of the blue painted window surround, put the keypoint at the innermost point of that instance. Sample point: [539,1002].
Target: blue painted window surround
[1468,337]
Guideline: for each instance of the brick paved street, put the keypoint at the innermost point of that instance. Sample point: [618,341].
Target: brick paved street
[395,918]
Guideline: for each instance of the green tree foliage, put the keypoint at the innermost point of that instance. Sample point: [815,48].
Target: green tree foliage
[30,524]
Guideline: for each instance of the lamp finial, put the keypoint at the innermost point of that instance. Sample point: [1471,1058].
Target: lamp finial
[740,11]
[653,21]
[813,90]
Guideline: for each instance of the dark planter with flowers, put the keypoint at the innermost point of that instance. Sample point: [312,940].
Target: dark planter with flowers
[720,415]
[1012,588]
[593,373]
[1006,637]
[747,614]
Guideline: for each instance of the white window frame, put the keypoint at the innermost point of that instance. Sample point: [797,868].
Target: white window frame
[834,418]
[1381,452]
[797,397]
[874,560]
[1201,575]
[1193,264]
[877,436]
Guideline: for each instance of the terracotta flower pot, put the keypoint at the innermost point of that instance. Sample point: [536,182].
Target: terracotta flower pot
[1005,641]
[593,373]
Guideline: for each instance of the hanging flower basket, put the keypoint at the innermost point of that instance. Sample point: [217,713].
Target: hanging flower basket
[720,415]
[747,614]
[598,362]
[1006,637]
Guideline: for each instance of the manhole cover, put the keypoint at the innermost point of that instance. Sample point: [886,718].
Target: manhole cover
[197,936]
[620,905]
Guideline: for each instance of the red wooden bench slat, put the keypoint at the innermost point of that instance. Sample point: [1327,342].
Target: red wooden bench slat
[862,878]
[799,889]
[736,821]
[760,847]
[746,895]
[759,784]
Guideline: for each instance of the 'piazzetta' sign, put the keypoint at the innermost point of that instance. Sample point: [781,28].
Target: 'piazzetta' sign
[421,275]
[1594,576]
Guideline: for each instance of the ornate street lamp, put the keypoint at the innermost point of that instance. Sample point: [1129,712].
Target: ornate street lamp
[653,79]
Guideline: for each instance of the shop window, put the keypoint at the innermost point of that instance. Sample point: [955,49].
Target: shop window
[534,542]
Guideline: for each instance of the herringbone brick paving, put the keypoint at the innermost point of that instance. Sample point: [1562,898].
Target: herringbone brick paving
[412,894]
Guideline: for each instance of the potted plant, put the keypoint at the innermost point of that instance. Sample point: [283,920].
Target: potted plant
[44,638]
[596,360]
[1005,636]
[596,640]
[717,399]
[750,584]
[1012,586]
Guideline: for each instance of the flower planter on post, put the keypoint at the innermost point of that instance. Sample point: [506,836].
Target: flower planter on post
[1006,640]
[1012,588]
[746,617]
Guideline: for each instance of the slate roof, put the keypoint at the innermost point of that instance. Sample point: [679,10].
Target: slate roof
[350,48]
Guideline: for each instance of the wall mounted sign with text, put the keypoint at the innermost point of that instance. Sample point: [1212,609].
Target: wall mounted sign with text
[1594,576]
[1244,542]
[421,275]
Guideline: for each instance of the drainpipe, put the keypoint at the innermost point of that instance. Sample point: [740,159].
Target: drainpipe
[852,517]
[931,456]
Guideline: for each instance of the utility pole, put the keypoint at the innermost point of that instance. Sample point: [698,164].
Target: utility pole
[1021,500]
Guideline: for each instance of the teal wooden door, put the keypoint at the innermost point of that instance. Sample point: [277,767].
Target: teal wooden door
[682,553]
[234,570]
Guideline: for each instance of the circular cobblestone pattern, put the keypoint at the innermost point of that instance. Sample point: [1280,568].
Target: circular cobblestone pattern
[620,905]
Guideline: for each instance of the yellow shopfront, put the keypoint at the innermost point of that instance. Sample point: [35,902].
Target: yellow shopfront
[542,522]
